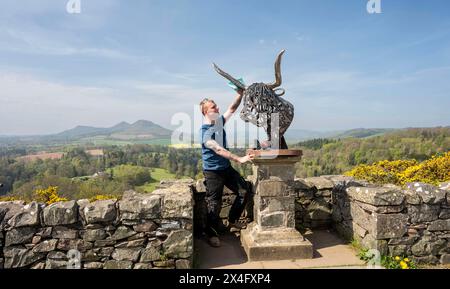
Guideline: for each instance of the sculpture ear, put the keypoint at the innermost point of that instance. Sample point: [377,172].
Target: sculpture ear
[281,93]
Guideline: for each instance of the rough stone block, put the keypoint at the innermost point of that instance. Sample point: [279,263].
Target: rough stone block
[433,260]
[391,226]
[20,235]
[445,213]
[276,219]
[28,216]
[122,232]
[273,188]
[429,194]
[428,245]
[169,264]
[59,232]
[439,225]
[114,264]
[275,245]
[45,246]
[319,209]
[126,254]
[377,196]
[131,244]
[77,244]
[363,218]
[145,226]
[382,209]
[275,204]
[101,211]
[445,259]
[140,206]
[360,231]
[179,244]
[399,250]
[285,172]
[150,254]
[142,266]
[94,235]
[56,264]
[183,264]
[177,202]
[8,210]
[320,183]
[62,213]
[93,265]
[301,185]
[20,257]
[423,213]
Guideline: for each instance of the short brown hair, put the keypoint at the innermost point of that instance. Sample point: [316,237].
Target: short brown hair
[202,104]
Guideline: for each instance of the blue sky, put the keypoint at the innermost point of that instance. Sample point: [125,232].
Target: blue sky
[128,60]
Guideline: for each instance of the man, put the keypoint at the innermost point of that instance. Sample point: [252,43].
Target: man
[218,171]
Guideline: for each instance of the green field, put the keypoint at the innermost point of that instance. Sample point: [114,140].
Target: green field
[103,141]
[157,175]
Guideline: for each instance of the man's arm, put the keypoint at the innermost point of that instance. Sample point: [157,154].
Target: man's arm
[234,105]
[212,144]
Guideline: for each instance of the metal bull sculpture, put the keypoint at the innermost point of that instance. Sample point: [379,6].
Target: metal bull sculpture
[263,105]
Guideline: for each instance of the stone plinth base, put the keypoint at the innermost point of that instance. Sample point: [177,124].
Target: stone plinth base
[275,244]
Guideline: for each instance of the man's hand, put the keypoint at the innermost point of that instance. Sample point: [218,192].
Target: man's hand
[265,144]
[212,144]
[246,158]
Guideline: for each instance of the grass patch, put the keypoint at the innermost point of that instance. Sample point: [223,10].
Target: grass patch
[158,174]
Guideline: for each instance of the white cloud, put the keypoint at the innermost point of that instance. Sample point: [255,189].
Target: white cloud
[40,42]
[31,105]
[22,31]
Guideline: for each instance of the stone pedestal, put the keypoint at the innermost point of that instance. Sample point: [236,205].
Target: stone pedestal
[272,235]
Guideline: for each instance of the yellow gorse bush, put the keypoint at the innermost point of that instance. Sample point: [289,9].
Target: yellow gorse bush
[400,172]
[9,199]
[49,196]
[101,198]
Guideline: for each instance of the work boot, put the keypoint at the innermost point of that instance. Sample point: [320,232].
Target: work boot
[236,226]
[214,241]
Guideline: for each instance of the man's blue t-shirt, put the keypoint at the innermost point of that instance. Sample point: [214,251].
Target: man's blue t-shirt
[211,160]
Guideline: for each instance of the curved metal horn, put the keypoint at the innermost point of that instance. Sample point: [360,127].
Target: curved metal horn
[229,77]
[277,71]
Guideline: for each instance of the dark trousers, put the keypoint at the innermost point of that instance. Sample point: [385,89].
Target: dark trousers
[215,182]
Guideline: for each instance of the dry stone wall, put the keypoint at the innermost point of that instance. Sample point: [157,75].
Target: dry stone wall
[140,231]
[412,221]
[143,231]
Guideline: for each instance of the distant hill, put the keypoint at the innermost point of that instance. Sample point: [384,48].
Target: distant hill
[144,131]
[363,132]
[295,135]
[79,131]
[121,133]
[141,129]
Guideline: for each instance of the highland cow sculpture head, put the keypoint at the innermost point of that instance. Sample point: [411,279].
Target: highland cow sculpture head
[263,106]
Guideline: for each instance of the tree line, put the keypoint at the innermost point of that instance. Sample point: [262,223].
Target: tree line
[325,157]
[73,172]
